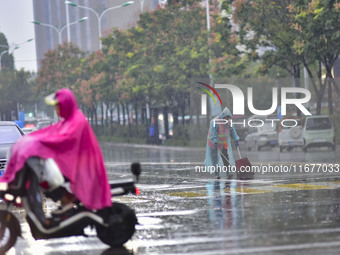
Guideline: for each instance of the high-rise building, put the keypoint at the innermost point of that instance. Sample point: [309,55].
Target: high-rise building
[84,34]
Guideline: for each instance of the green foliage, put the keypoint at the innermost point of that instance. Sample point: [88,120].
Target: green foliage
[59,69]
[149,64]
[294,34]
[7,61]
[14,89]
[152,64]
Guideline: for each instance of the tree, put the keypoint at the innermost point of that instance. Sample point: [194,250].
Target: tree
[15,89]
[294,34]
[318,41]
[159,56]
[59,69]
[7,61]
[227,59]
[174,50]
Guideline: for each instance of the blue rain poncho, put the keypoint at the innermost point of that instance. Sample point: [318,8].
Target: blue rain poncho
[216,140]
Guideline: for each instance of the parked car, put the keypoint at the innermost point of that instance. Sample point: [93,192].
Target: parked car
[9,134]
[318,131]
[42,124]
[27,130]
[259,137]
[290,137]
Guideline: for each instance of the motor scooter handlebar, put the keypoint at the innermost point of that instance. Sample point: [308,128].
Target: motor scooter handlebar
[123,187]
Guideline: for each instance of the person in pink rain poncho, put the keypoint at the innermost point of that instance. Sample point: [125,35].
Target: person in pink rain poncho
[75,149]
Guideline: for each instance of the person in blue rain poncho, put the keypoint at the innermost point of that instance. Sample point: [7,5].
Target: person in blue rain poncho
[218,141]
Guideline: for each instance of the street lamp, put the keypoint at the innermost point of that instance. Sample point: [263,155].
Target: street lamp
[16,46]
[2,53]
[214,109]
[99,15]
[59,30]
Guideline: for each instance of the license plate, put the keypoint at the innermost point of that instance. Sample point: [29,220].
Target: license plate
[273,142]
[2,172]
[319,140]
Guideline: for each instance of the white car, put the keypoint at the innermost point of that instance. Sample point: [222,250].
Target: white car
[318,132]
[259,137]
[290,137]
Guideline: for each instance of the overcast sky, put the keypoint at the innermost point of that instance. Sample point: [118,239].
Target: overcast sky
[15,23]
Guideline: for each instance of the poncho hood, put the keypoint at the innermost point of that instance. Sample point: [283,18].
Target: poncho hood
[226,112]
[67,103]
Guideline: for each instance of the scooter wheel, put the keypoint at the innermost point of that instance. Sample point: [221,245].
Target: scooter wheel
[121,228]
[9,231]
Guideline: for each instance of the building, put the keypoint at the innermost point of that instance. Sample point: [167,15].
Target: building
[84,34]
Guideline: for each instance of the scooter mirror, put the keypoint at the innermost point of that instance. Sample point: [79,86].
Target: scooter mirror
[136,170]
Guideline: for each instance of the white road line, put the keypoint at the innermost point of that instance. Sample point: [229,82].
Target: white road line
[252,250]
[168,213]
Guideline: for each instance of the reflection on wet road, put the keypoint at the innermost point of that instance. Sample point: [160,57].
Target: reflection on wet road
[181,211]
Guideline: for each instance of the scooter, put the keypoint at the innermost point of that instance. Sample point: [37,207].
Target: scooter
[114,225]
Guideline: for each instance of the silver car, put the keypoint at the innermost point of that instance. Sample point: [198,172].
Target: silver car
[9,134]
[259,137]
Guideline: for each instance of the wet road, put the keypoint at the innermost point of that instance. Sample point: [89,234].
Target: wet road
[182,211]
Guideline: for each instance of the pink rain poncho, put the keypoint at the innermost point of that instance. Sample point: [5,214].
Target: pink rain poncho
[74,147]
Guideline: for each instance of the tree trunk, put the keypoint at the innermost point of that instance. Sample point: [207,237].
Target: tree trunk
[118,114]
[166,122]
[124,121]
[198,123]
[146,122]
[321,91]
[128,114]
[330,99]
[90,111]
[156,125]
[102,113]
[107,119]
[297,82]
[183,114]
[318,104]
[95,117]
[111,120]
[175,114]
[136,113]
[128,119]
[142,115]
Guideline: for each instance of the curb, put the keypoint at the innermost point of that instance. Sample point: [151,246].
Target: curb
[149,146]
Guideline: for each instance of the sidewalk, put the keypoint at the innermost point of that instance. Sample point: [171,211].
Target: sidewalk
[152,146]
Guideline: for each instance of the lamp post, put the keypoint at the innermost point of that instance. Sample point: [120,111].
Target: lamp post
[2,53]
[99,15]
[215,110]
[208,29]
[16,46]
[59,30]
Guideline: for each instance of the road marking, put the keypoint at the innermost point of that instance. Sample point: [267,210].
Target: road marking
[186,194]
[288,187]
[168,213]
[262,249]
[261,189]
[302,186]
[249,190]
